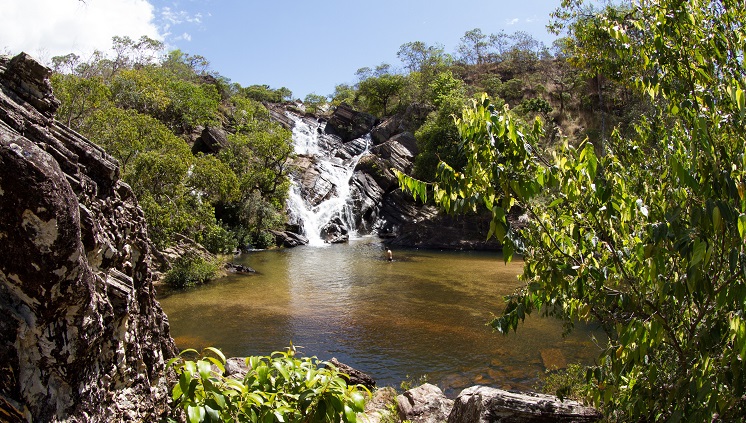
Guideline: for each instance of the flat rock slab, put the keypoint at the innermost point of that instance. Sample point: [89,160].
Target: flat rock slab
[488,405]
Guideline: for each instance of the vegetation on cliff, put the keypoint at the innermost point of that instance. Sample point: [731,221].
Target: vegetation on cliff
[146,109]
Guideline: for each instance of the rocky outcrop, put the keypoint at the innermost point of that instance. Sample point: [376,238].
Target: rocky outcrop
[377,205]
[484,405]
[378,407]
[348,124]
[211,141]
[424,404]
[82,338]
[387,129]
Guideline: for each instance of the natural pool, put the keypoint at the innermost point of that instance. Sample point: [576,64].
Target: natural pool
[422,314]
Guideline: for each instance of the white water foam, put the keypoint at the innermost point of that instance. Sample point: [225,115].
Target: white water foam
[308,139]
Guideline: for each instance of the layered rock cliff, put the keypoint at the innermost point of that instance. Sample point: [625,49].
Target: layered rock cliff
[82,338]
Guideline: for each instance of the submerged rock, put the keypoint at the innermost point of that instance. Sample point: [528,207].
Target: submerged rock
[82,338]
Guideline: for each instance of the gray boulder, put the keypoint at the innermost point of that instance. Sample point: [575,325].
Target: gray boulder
[487,405]
[424,404]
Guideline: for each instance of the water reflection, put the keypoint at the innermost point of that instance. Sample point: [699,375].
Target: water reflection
[422,314]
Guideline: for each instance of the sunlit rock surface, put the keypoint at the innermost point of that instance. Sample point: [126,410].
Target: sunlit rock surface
[82,338]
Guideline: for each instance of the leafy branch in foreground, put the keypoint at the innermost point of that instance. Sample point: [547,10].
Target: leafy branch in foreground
[644,234]
[277,388]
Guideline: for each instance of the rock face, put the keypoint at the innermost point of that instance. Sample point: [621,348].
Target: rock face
[349,124]
[485,405]
[82,338]
[375,203]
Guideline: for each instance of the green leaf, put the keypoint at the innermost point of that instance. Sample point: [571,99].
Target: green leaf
[698,252]
[349,414]
[195,414]
[205,368]
[742,225]
[217,352]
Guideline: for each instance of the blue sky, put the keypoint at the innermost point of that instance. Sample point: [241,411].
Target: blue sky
[305,46]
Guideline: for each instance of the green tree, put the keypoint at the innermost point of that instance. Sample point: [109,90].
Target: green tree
[258,155]
[79,97]
[646,238]
[474,47]
[344,93]
[265,93]
[378,91]
[438,137]
[314,102]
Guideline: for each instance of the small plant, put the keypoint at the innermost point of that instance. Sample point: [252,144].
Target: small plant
[413,382]
[190,270]
[569,383]
[278,388]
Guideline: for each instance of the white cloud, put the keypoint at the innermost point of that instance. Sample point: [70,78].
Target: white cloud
[171,17]
[47,28]
[512,21]
[185,36]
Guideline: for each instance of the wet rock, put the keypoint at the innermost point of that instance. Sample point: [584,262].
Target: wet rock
[424,404]
[238,268]
[349,124]
[314,187]
[354,376]
[484,404]
[277,113]
[378,169]
[366,196]
[334,232]
[82,338]
[289,239]
[396,154]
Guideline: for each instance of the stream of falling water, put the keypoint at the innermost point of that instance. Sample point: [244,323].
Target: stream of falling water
[309,140]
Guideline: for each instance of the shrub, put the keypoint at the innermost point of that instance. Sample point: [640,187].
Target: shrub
[278,388]
[190,270]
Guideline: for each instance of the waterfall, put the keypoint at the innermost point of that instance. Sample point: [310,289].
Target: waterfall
[333,164]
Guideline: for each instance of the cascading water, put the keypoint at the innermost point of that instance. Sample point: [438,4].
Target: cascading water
[333,166]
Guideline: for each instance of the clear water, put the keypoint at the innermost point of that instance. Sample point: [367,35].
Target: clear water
[424,314]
